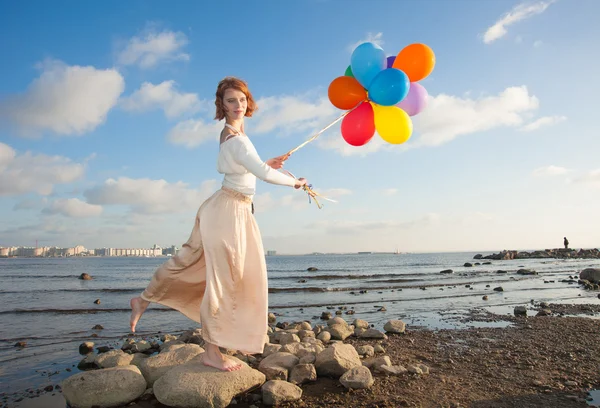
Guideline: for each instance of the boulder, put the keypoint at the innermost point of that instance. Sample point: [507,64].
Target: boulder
[520,310]
[360,324]
[303,373]
[195,385]
[590,274]
[339,331]
[375,362]
[275,392]
[373,334]
[114,358]
[365,351]
[109,387]
[154,367]
[395,326]
[335,360]
[278,365]
[357,378]
[86,348]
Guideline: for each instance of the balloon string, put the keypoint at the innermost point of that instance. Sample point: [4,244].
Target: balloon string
[311,193]
[322,130]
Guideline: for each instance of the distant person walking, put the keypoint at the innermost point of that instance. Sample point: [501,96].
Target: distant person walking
[566,242]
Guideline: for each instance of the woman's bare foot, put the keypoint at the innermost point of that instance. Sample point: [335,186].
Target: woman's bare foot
[214,358]
[138,307]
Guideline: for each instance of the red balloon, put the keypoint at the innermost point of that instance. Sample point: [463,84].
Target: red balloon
[358,127]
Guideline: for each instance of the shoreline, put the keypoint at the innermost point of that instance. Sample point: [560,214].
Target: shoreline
[534,361]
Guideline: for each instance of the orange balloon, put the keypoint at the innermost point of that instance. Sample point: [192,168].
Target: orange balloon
[416,60]
[346,92]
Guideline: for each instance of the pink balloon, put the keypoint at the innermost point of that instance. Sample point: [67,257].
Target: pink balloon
[415,101]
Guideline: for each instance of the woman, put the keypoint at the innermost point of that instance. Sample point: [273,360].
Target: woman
[219,277]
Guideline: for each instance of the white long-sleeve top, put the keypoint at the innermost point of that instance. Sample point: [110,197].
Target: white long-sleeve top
[241,165]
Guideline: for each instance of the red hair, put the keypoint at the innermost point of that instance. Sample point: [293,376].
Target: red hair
[237,84]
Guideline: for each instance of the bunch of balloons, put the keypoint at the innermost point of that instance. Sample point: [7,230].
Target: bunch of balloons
[383,92]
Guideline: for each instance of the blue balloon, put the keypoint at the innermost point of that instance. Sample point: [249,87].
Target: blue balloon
[367,61]
[389,87]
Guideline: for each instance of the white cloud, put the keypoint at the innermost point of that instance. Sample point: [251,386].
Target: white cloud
[520,12]
[374,38]
[543,122]
[550,171]
[39,173]
[538,44]
[290,114]
[519,39]
[389,191]
[67,100]
[592,177]
[447,117]
[73,207]
[193,132]
[281,114]
[152,48]
[150,196]
[162,96]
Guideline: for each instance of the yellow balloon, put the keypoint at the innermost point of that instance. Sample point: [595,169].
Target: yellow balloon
[392,123]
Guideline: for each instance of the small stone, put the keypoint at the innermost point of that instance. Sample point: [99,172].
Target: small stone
[85,276]
[498,289]
[520,311]
[49,388]
[485,297]
[571,383]
[98,326]
[97,301]
[86,348]
[20,344]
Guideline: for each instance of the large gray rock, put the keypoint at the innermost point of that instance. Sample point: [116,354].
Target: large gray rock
[339,331]
[303,373]
[113,358]
[110,387]
[278,365]
[335,360]
[276,391]
[357,378]
[395,326]
[360,324]
[195,385]
[154,367]
[590,274]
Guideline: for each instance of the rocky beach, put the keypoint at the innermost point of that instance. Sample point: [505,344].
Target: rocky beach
[536,353]
[544,357]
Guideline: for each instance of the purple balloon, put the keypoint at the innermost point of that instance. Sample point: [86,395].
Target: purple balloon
[390,61]
[415,101]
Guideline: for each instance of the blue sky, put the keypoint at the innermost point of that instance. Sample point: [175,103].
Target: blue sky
[107,137]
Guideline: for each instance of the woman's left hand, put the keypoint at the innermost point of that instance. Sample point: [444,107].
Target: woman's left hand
[277,162]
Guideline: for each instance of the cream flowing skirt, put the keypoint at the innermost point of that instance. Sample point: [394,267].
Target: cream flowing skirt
[219,277]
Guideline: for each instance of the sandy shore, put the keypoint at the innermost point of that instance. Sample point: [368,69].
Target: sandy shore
[537,361]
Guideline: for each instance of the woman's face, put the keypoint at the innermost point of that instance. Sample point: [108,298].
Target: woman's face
[235,103]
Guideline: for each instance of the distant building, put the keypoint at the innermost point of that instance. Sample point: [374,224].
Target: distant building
[271,253]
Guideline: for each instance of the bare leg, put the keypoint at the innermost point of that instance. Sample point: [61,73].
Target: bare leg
[214,358]
[138,307]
